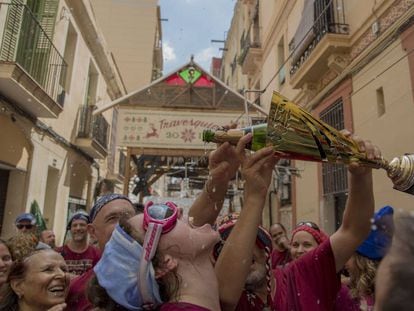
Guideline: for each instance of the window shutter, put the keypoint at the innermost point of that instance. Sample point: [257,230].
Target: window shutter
[12,31]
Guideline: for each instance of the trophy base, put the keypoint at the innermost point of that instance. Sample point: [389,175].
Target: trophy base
[409,191]
[401,171]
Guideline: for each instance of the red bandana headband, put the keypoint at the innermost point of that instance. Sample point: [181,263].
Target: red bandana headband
[319,236]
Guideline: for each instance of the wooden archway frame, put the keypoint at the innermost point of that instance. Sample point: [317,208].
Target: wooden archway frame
[131,151]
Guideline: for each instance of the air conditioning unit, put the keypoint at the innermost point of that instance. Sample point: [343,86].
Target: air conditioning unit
[375,28]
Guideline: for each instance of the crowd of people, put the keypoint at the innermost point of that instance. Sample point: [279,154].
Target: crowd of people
[120,257]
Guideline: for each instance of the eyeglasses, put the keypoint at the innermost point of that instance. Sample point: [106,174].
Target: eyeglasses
[158,219]
[308,224]
[21,226]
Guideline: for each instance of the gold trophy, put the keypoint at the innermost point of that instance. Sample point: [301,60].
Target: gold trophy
[296,134]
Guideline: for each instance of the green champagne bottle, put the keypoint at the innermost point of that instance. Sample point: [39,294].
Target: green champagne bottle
[233,136]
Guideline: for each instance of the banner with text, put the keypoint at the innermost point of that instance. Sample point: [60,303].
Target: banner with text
[168,129]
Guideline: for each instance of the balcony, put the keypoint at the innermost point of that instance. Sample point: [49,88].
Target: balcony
[32,72]
[92,136]
[117,172]
[321,47]
[251,52]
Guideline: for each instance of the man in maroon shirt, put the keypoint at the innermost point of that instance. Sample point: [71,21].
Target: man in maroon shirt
[78,254]
[256,293]
[104,216]
[281,248]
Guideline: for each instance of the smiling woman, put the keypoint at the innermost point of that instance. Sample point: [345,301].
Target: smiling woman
[5,262]
[37,282]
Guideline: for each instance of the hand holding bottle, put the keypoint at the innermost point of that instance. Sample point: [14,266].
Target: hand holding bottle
[257,171]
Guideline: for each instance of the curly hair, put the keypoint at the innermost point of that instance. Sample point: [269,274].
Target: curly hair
[22,245]
[362,280]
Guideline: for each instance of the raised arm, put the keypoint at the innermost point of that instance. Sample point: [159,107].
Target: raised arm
[359,209]
[223,165]
[233,264]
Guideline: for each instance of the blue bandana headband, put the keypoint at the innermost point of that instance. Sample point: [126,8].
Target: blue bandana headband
[78,215]
[117,272]
[103,201]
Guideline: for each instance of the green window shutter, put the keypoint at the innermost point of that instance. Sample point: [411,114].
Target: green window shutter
[47,18]
[34,46]
[12,31]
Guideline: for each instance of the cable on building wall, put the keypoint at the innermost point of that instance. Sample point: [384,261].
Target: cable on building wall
[44,128]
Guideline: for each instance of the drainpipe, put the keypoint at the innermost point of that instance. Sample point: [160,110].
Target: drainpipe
[270,207]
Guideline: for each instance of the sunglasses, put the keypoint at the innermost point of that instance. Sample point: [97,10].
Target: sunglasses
[308,224]
[158,219]
[21,226]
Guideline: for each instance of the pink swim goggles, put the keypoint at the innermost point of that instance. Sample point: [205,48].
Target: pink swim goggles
[164,214]
[158,219]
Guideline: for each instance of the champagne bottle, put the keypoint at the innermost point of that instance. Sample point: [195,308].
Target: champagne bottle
[258,131]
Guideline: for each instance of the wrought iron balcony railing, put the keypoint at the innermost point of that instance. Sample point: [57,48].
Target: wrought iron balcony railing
[329,18]
[250,39]
[93,127]
[27,44]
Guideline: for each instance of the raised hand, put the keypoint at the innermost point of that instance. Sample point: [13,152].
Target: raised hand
[257,172]
[223,163]
[257,168]
[372,152]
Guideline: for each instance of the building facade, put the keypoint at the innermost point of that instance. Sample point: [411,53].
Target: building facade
[347,62]
[55,70]
[133,33]
[132,30]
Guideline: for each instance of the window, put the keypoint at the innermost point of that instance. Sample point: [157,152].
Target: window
[233,65]
[284,182]
[69,54]
[380,102]
[280,61]
[91,85]
[334,175]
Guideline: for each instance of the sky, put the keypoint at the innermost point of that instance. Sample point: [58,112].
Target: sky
[191,26]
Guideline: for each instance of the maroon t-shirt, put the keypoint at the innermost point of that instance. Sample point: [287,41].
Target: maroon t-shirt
[79,263]
[76,299]
[173,306]
[344,301]
[280,259]
[308,283]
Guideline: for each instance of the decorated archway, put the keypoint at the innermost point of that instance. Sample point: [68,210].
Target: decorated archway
[161,124]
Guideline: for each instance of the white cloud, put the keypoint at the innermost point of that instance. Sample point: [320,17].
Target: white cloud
[204,57]
[169,52]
